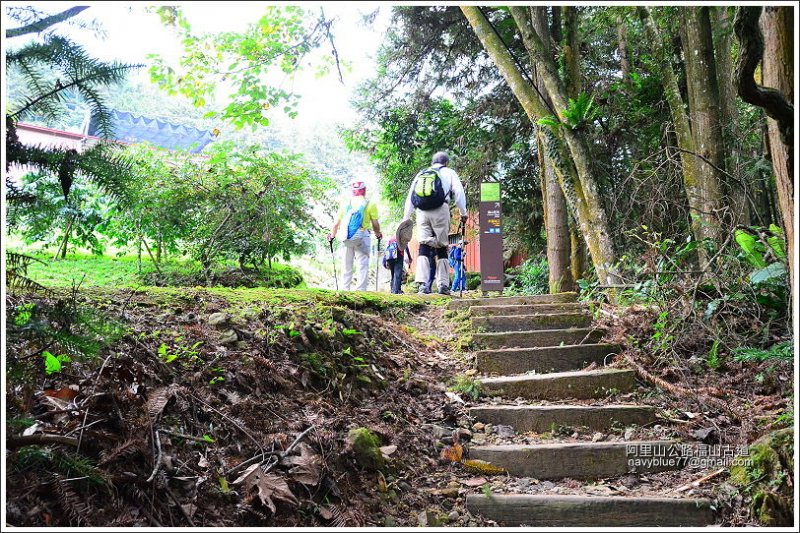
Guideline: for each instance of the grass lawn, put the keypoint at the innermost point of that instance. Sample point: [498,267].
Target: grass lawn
[121,272]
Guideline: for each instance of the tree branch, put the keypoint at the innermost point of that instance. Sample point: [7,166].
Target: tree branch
[43,24]
[771,100]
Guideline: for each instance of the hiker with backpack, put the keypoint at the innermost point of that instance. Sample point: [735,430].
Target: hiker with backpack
[430,194]
[395,260]
[358,214]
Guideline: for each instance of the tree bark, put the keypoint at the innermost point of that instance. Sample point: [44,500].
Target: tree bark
[778,68]
[704,116]
[572,53]
[622,48]
[555,205]
[43,24]
[737,191]
[589,210]
[703,220]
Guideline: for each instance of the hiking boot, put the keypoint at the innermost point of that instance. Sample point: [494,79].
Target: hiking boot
[423,289]
[444,290]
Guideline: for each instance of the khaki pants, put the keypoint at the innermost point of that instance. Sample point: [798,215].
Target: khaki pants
[433,228]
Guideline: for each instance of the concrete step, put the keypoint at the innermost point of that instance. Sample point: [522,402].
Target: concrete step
[530,322]
[543,418]
[507,310]
[582,460]
[543,359]
[560,385]
[534,339]
[561,297]
[590,511]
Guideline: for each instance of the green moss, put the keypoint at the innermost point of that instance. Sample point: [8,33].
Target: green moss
[366,447]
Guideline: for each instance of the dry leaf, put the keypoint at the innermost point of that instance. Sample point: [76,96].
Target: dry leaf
[388,450]
[453,453]
[382,483]
[325,513]
[269,486]
[475,482]
[158,400]
[64,393]
[455,397]
[307,467]
[477,466]
[203,462]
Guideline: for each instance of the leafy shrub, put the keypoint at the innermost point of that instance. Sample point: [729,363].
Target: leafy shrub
[531,277]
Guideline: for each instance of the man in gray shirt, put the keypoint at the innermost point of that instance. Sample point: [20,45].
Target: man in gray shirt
[430,187]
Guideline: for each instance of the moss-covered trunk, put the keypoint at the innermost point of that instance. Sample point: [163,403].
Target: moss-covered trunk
[588,207]
[702,197]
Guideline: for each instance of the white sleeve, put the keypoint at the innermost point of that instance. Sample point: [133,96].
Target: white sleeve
[457,194]
[409,208]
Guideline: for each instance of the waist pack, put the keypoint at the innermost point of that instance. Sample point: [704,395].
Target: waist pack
[428,192]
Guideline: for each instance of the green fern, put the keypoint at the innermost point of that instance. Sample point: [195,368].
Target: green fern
[579,111]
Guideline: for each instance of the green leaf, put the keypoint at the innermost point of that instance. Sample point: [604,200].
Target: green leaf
[51,363]
[162,350]
[777,242]
[208,438]
[774,271]
[549,120]
[750,245]
[349,332]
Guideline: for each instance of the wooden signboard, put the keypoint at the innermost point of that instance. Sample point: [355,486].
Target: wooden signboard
[491,237]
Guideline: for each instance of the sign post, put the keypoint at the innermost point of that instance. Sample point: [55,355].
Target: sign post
[491,237]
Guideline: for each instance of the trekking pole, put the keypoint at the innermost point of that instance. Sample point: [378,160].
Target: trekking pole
[377,264]
[333,260]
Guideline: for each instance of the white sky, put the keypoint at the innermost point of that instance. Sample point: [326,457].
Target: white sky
[131,34]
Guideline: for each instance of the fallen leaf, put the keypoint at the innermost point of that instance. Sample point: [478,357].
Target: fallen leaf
[453,453]
[475,482]
[307,467]
[388,450]
[269,486]
[202,463]
[325,513]
[455,397]
[30,430]
[64,393]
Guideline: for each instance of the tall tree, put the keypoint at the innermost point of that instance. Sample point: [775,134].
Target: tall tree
[694,133]
[579,185]
[556,220]
[775,47]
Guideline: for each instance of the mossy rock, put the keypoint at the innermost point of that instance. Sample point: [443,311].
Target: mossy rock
[366,448]
[764,471]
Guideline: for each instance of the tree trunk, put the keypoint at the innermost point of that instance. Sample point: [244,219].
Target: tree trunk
[62,249]
[572,53]
[703,220]
[556,224]
[589,211]
[739,191]
[555,205]
[704,116]
[778,68]
[622,48]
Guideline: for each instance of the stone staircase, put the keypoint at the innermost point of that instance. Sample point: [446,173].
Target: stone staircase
[535,348]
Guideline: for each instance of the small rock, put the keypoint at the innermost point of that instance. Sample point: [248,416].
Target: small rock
[479,439]
[455,484]
[630,481]
[472,523]
[228,336]
[547,485]
[597,437]
[463,434]
[478,426]
[405,487]
[389,522]
[448,492]
[708,435]
[218,319]
[427,519]
[505,432]
[488,429]
[437,431]
[575,435]
[453,516]
[524,482]
[629,433]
